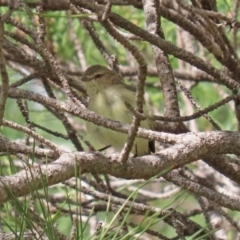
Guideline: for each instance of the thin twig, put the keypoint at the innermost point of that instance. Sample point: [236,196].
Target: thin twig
[4,76]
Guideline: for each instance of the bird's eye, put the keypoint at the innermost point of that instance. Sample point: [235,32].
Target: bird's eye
[98,75]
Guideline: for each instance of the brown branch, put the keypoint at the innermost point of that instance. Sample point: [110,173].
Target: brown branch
[196,105]
[72,135]
[4,76]
[166,46]
[32,134]
[198,189]
[14,148]
[165,73]
[31,179]
[199,113]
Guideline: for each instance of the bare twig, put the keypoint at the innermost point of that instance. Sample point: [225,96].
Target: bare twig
[4,76]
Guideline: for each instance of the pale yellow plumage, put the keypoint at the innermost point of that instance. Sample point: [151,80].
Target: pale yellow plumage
[107,97]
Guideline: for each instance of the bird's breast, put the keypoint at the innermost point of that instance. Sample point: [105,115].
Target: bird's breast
[111,103]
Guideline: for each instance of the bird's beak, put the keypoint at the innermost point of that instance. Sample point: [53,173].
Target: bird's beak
[85,79]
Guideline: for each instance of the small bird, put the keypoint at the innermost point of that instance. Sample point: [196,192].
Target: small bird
[107,97]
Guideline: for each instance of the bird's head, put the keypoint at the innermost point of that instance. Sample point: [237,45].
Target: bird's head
[97,78]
